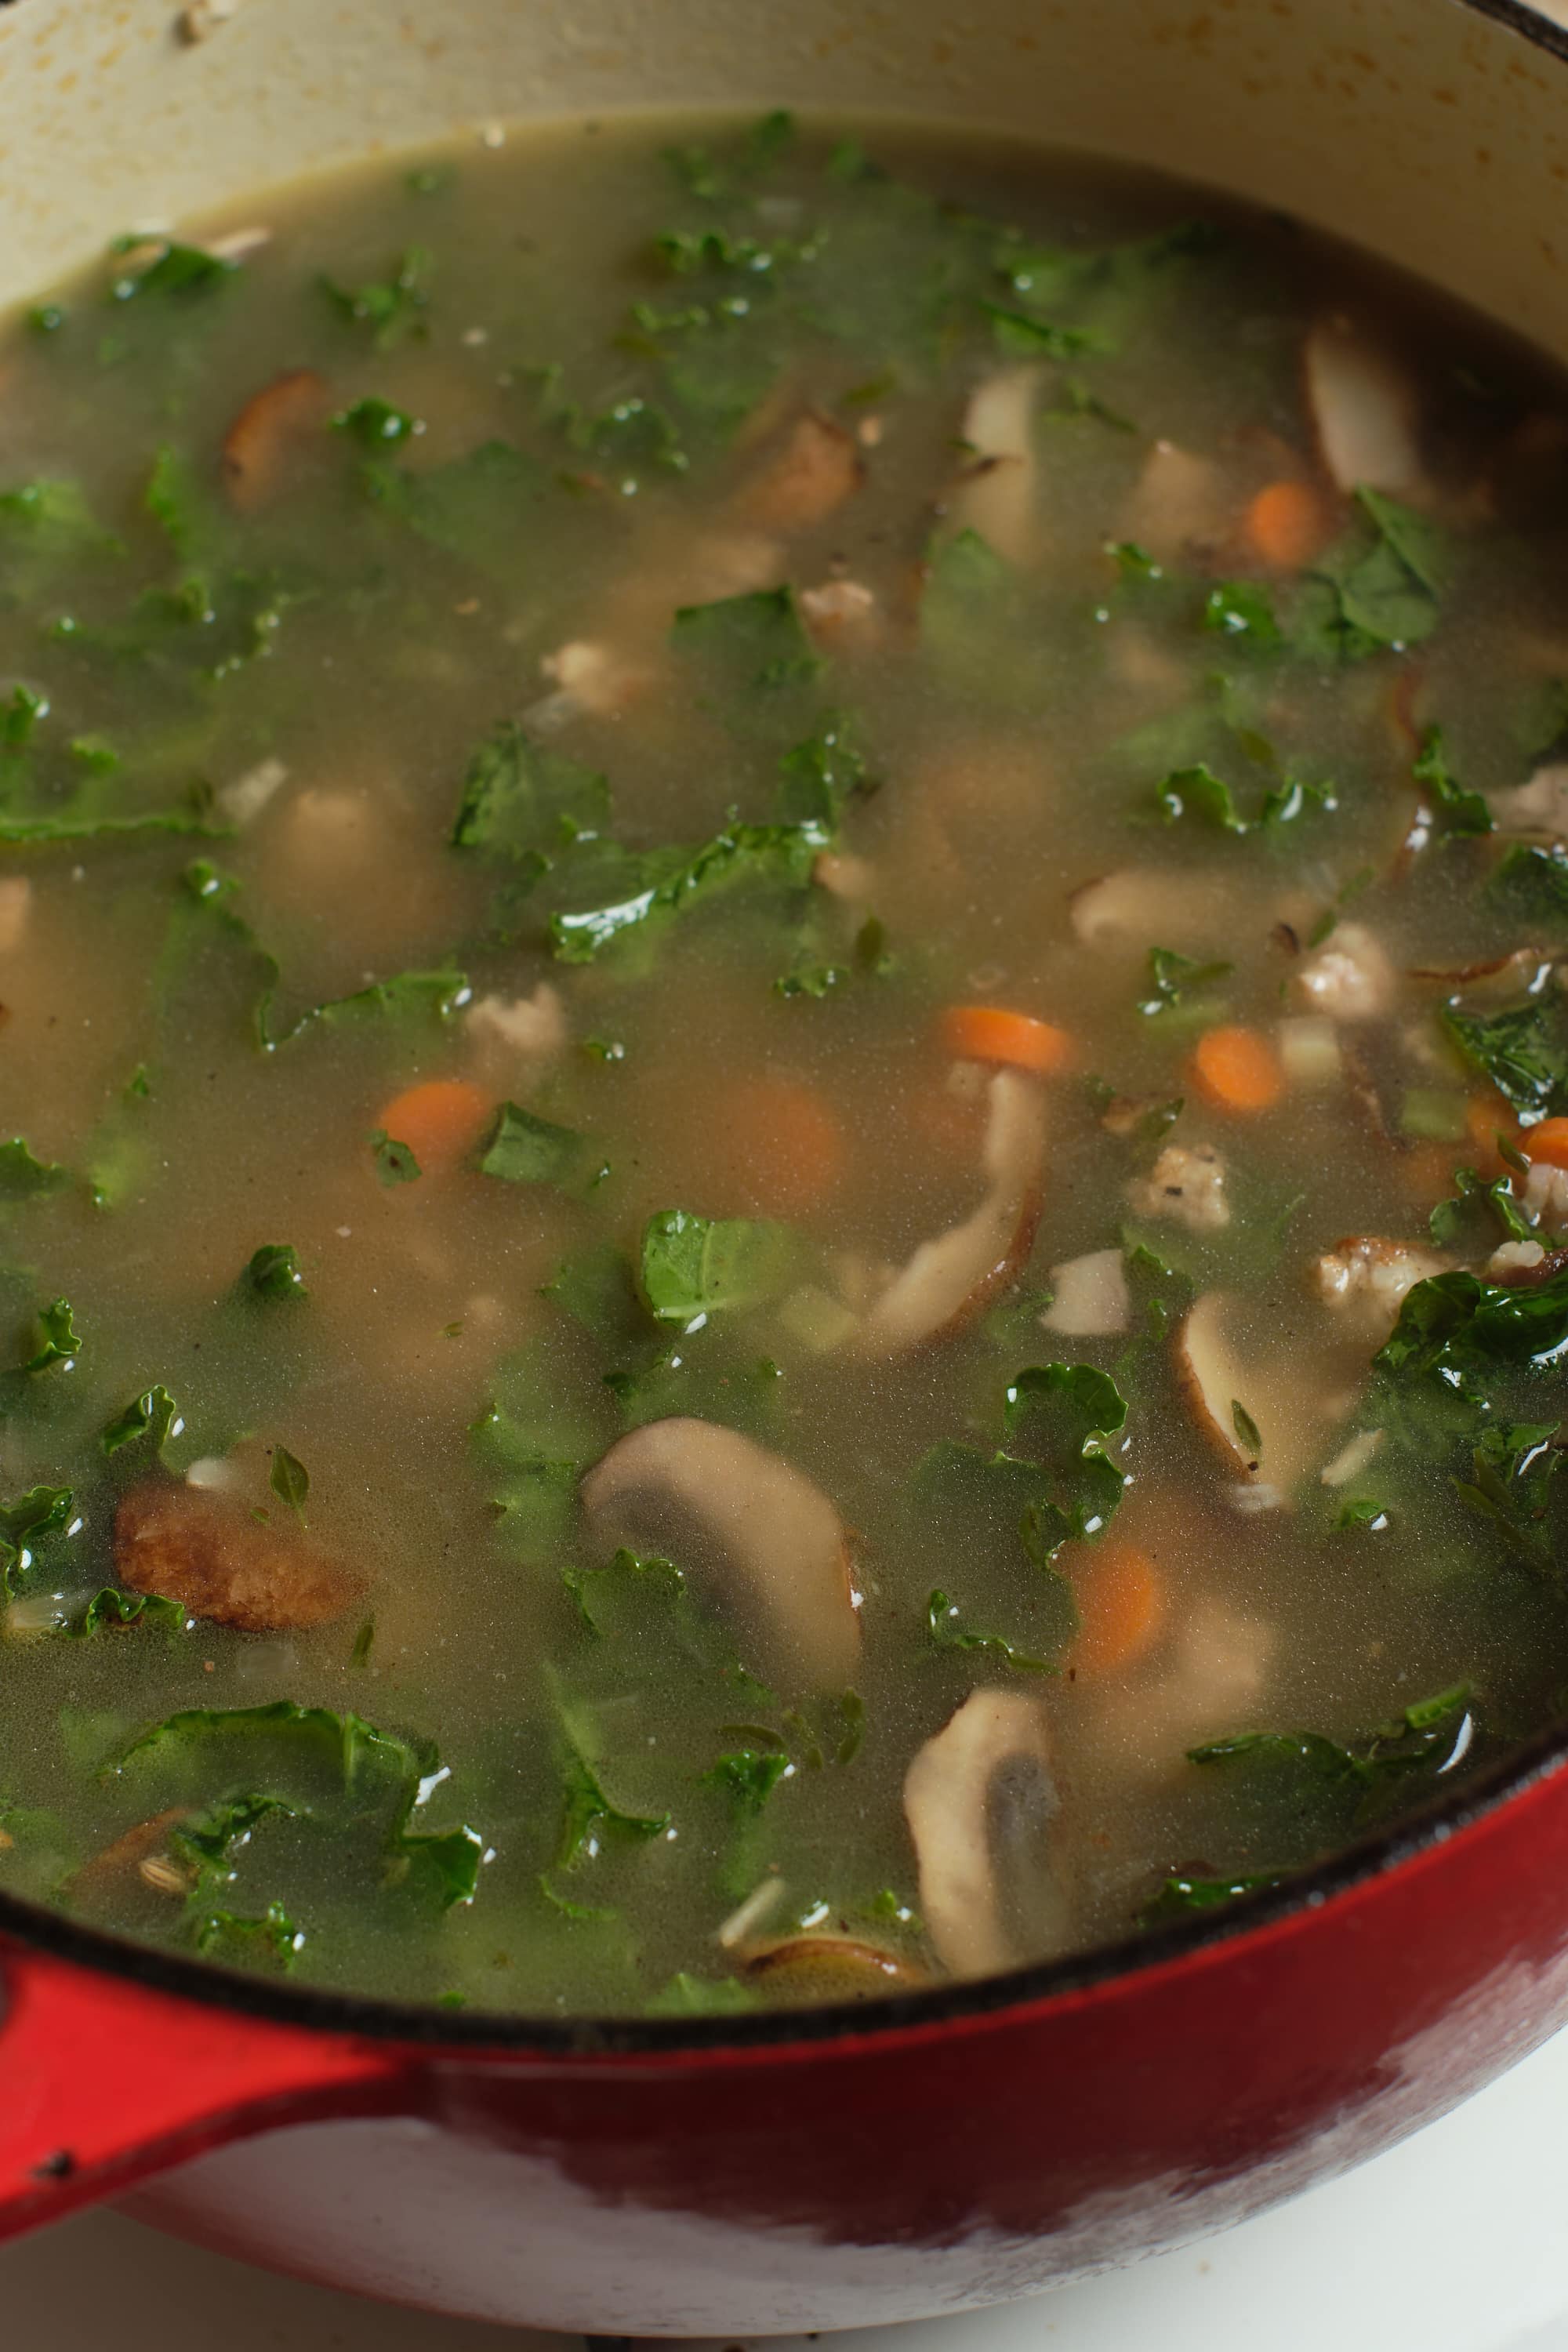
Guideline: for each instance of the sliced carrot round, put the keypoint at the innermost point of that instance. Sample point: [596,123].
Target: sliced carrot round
[1489,1114]
[1287,523]
[989,1033]
[1121,1607]
[781,1147]
[1548,1140]
[440,1121]
[1236,1069]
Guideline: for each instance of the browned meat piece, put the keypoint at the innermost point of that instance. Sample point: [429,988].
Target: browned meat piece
[256,445]
[190,1546]
[808,476]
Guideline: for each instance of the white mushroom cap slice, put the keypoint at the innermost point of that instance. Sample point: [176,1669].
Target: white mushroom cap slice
[998,497]
[1216,1373]
[948,1280]
[752,1532]
[982,1802]
[1126,909]
[1363,410]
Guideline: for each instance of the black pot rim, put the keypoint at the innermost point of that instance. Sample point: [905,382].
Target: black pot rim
[890,2016]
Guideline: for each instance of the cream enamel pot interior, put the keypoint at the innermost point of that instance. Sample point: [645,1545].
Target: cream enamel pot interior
[961,2146]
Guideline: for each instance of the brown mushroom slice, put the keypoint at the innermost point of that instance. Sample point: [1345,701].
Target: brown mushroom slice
[1215,1375]
[947,1281]
[1129,907]
[1363,410]
[997,497]
[257,445]
[803,1971]
[749,1528]
[982,1807]
[199,1547]
[808,476]
[141,1852]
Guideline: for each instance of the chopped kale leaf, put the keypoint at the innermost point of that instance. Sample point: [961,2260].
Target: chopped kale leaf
[525,1149]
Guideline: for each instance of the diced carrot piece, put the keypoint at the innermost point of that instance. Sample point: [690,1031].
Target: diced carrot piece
[1489,1114]
[1236,1070]
[1426,1170]
[1548,1140]
[1287,523]
[1121,1607]
[440,1121]
[989,1033]
[782,1146]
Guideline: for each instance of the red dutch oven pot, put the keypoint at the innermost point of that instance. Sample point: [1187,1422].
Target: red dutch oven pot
[831,2169]
[960,2146]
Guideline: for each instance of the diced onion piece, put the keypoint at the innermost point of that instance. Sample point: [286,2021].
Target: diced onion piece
[1310,1053]
[1092,1299]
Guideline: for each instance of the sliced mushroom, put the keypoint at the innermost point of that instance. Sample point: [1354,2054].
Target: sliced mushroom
[947,1281]
[1135,905]
[198,1547]
[1363,410]
[997,496]
[1213,1673]
[811,473]
[750,1529]
[1351,1458]
[802,1971]
[1539,808]
[274,421]
[1216,1375]
[1092,1300]
[1180,501]
[983,1806]
[139,1852]
[244,797]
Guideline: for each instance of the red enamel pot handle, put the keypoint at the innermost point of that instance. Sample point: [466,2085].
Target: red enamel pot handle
[104,2082]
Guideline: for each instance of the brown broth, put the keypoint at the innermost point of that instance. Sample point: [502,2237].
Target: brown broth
[1018,723]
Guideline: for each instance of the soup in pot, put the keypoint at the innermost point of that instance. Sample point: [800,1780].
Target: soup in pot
[784,1143]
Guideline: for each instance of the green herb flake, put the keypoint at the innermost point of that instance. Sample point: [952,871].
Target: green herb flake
[273,1272]
[395,1161]
[692,1268]
[523,1148]
[289,1481]
[947,1631]
[62,1340]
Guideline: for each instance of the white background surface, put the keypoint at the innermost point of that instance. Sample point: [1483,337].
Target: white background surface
[1456,2241]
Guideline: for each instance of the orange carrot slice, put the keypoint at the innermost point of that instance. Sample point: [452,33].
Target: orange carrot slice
[1121,1607]
[989,1033]
[440,1121]
[1236,1070]
[1548,1140]
[1286,524]
[781,1144]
